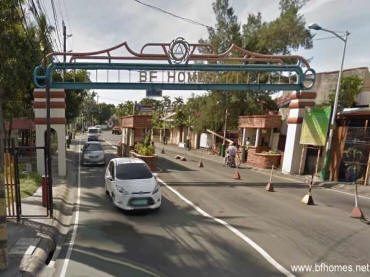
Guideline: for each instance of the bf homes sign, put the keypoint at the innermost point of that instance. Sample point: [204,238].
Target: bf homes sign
[182,66]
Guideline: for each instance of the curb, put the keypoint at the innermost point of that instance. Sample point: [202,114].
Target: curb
[32,265]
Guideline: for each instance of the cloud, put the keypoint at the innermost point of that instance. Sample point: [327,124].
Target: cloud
[100,24]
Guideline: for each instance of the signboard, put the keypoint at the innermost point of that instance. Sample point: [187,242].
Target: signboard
[143,108]
[153,93]
[315,126]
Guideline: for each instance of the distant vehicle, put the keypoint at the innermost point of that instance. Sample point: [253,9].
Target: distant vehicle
[93,133]
[131,185]
[92,153]
[102,127]
[116,130]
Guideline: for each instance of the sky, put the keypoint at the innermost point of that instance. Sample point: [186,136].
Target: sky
[97,25]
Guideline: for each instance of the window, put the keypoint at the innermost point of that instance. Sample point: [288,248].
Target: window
[111,169]
[131,171]
[93,131]
[93,147]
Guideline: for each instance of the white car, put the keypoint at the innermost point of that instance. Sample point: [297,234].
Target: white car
[131,185]
[93,134]
[92,153]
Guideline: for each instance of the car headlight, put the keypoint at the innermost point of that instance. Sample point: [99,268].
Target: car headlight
[122,190]
[156,189]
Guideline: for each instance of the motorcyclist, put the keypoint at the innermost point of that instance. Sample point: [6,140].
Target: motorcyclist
[231,153]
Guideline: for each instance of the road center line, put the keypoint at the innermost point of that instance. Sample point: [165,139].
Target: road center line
[239,234]
[114,146]
[77,216]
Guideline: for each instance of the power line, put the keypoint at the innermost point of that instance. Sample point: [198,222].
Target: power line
[172,14]
[25,28]
[68,21]
[56,22]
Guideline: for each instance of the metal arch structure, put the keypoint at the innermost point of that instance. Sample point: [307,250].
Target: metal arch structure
[198,58]
[234,60]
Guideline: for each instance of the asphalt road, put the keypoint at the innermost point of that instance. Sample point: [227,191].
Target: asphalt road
[181,241]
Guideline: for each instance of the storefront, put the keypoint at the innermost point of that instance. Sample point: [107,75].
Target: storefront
[134,130]
[261,133]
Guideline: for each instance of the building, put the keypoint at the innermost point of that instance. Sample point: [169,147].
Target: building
[292,105]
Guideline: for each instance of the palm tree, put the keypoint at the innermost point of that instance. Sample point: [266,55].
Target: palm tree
[178,102]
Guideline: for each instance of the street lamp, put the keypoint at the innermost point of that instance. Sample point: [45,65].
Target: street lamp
[325,171]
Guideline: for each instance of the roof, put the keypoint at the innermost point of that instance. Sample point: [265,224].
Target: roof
[20,123]
[353,112]
[126,160]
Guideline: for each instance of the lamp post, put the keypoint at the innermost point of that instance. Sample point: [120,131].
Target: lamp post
[325,170]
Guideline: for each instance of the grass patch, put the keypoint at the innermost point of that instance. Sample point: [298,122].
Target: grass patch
[29,182]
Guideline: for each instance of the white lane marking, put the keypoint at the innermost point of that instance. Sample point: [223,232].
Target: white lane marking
[114,146]
[351,194]
[303,184]
[77,216]
[249,241]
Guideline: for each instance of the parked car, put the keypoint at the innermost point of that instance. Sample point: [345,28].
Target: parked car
[131,185]
[93,153]
[116,130]
[93,134]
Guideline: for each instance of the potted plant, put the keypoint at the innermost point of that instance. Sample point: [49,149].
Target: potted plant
[146,152]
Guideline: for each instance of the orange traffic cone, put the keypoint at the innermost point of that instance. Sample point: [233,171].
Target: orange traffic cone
[269,187]
[201,163]
[356,211]
[307,199]
[237,175]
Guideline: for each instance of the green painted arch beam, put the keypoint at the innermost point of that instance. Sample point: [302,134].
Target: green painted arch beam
[305,80]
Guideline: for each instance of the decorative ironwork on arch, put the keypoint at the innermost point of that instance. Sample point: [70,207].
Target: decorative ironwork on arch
[234,69]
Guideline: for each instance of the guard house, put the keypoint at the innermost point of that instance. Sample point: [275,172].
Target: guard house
[263,133]
[134,130]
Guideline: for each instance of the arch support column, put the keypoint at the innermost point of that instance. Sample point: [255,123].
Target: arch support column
[57,122]
[293,149]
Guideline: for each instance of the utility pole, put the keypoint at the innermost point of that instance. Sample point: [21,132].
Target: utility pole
[64,47]
[224,140]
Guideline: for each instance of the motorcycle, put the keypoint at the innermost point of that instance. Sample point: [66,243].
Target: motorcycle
[230,161]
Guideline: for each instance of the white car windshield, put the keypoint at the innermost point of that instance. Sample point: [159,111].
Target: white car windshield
[131,171]
[93,131]
[93,147]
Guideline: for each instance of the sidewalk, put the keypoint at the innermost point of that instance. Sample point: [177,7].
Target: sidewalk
[204,155]
[32,241]
[198,154]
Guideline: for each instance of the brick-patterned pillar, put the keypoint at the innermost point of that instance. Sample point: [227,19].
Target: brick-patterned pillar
[293,149]
[57,122]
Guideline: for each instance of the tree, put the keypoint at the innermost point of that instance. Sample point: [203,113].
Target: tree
[227,29]
[280,36]
[124,109]
[16,57]
[102,112]
[74,98]
[350,87]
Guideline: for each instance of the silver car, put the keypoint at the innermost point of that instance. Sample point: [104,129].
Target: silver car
[93,153]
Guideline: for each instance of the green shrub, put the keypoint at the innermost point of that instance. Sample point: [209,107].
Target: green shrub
[144,150]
